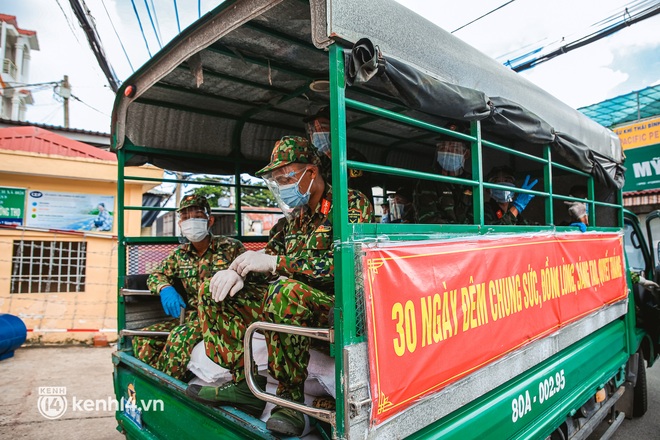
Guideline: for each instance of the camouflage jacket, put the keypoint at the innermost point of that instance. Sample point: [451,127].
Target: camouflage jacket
[442,202]
[184,263]
[305,244]
[493,215]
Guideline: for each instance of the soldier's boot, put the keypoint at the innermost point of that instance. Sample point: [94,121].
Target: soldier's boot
[230,393]
[287,421]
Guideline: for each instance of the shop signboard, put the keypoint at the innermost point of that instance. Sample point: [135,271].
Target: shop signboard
[12,206]
[641,145]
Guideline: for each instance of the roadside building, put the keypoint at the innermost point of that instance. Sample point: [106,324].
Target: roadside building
[89,137]
[58,237]
[16,45]
[635,118]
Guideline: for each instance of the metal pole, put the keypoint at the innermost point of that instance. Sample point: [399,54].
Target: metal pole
[177,200]
[66,93]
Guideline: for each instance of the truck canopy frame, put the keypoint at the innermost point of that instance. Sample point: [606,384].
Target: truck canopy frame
[248,72]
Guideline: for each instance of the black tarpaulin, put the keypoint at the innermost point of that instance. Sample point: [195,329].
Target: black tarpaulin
[368,67]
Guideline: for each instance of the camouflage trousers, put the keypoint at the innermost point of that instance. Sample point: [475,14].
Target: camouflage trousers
[223,325]
[170,356]
[294,303]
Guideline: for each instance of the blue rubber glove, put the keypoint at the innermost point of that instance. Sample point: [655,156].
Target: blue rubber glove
[580,225]
[523,199]
[171,301]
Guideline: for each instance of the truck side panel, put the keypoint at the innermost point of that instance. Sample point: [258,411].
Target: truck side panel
[533,404]
[177,417]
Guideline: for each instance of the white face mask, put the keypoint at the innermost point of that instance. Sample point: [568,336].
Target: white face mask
[396,211]
[195,229]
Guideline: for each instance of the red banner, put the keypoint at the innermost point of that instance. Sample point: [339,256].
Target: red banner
[438,311]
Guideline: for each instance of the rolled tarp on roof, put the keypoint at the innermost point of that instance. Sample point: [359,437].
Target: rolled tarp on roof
[419,91]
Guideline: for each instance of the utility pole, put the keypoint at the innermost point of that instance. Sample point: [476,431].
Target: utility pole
[65,93]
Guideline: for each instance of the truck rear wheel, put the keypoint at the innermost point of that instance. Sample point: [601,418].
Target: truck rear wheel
[640,392]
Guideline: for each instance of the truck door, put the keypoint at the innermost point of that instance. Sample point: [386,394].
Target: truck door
[642,262]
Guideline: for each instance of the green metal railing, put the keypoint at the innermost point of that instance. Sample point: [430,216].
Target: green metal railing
[477,183]
[346,321]
[123,155]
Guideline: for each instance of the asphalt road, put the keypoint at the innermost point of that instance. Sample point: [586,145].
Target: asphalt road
[86,373]
[646,427]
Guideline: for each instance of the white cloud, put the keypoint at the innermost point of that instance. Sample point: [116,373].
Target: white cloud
[575,81]
[581,77]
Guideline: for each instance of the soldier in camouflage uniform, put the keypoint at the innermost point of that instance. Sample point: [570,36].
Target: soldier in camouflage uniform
[401,209]
[191,263]
[318,131]
[444,202]
[299,255]
[503,208]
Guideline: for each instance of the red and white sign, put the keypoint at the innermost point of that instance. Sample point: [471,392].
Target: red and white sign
[438,311]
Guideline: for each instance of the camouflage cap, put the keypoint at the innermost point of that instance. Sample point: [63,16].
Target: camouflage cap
[290,149]
[195,200]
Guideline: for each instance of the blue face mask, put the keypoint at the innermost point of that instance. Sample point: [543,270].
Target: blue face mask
[291,195]
[502,195]
[452,162]
[321,140]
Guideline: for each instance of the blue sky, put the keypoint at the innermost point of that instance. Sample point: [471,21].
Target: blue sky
[626,61]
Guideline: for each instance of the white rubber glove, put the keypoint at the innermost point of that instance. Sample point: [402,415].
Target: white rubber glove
[648,284]
[251,261]
[225,282]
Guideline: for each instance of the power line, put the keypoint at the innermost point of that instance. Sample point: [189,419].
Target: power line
[160,35]
[141,28]
[486,14]
[66,17]
[615,15]
[83,102]
[117,35]
[50,115]
[153,26]
[588,39]
[23,86]
[176,12]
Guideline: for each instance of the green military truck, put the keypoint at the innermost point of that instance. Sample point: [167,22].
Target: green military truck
[471,330]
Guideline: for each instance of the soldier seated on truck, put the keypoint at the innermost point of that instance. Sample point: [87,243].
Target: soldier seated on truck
[505,207]
[317,127]
[192,263]
[299,257]
[444,202]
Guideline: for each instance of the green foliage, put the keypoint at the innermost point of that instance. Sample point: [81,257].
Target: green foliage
[253,197]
